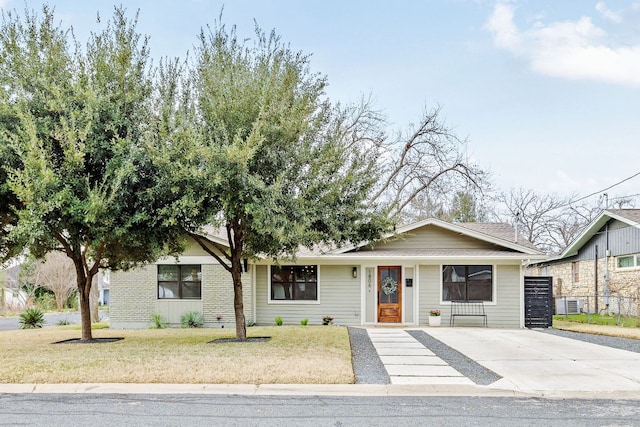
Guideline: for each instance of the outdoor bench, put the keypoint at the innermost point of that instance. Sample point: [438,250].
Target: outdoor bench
[467,309]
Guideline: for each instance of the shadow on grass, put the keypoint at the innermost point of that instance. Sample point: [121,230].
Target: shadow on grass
[91,341]
[249,339]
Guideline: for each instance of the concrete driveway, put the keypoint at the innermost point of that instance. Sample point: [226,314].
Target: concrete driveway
[536,362]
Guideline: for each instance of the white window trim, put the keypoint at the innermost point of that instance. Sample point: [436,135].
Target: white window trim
[293,302]
[494,284]
[636,261]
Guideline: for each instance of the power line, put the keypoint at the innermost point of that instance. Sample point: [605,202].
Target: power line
[603,190]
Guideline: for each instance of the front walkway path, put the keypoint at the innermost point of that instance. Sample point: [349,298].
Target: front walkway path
[409,362]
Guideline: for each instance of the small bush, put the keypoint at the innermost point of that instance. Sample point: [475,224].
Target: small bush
[31,318]
[192,319]
[279,321]
[158,322]
[63,322]
[304,322]
[251,324]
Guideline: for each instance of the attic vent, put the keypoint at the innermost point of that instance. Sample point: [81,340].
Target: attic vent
[568,306]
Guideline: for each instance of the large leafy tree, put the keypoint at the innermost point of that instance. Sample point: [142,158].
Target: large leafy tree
[74,165]
[254,149]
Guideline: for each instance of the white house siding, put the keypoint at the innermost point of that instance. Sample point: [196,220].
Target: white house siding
[339,297]
[134,298]
[505,313]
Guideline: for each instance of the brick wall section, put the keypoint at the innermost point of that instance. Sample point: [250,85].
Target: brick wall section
[133,296]
[217,296]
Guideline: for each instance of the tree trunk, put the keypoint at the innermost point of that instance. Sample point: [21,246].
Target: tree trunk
[237,248]
[84,289]
[238,305]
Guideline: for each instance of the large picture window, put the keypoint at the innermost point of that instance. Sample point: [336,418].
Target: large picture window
[294,283]
[467,282]
[179,282]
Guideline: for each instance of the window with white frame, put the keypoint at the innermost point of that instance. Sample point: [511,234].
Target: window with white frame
[628,261]
[179,282]
[467,282]
[294,283]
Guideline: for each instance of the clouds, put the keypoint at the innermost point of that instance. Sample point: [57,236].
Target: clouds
[573,49]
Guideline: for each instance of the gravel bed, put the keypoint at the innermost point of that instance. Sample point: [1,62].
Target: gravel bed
[615,342]
[458,361]
[367,366]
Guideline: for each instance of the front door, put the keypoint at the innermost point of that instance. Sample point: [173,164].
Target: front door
[389,294]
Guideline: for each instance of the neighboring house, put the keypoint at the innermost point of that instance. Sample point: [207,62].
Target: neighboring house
[104,286]
[10,295]
[604,259]
[421,267]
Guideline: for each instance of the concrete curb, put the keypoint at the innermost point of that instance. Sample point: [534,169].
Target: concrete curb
[307,390]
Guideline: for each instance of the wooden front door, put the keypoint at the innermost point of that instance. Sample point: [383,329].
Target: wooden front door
[389,294]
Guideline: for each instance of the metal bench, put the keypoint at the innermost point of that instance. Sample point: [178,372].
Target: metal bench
[467,309]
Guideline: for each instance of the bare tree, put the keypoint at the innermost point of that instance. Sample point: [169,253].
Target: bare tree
[57,273]
[423,169]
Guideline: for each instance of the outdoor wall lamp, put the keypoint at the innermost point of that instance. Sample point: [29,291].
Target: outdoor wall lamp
[354,272]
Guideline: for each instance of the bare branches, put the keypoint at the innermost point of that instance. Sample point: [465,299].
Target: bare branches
[429,160]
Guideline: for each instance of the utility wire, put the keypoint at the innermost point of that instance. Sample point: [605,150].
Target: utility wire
[598,192]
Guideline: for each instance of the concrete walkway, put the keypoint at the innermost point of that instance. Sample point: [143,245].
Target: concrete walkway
[409,362]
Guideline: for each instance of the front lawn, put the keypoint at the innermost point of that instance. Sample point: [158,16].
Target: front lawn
[294,355]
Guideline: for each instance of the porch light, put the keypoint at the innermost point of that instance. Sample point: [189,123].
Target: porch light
[354,272]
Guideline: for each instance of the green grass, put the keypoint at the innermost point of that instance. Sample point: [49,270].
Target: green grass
[598,319]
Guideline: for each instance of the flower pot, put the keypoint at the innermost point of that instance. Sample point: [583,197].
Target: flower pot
[435,320]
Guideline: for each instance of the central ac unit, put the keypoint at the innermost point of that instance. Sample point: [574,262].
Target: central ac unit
[566,305]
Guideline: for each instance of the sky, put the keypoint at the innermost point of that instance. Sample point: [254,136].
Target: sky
[546,92]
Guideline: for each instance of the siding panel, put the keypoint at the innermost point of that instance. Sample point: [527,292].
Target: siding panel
[504,314]
[339,295]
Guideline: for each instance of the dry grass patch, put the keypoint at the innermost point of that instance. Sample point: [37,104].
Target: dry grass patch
[613,331]
[294,355]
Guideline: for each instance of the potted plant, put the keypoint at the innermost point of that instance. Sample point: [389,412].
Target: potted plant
[435,317]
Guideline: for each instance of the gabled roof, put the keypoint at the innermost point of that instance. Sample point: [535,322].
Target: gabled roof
[499,234]
[628,216]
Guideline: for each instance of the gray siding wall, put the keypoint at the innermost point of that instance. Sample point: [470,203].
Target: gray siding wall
[505,313]
[621,239]
[431,237]
[339,295]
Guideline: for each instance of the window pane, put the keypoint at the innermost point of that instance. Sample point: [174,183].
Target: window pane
[467,282]
[168,290]
[191,290]
[480,291]
[294,282]
[168,273]
[454,291]
[191,273]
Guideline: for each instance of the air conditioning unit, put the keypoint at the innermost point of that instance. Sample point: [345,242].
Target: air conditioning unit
[566,305]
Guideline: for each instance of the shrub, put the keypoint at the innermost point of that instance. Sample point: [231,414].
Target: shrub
[63,322]
[192,319]
[304,322]
[279,321]
[158,322]
[31,318]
